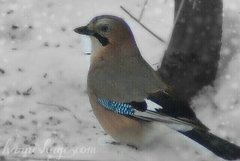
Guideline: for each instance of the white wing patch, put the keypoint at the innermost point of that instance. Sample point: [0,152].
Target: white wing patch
[152,114]
[152,106]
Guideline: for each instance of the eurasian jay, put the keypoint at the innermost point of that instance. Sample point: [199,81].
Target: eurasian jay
[128,96]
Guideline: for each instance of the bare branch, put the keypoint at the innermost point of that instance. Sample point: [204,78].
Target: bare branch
[177,15]
[142,11]
[134,18]
[178,12]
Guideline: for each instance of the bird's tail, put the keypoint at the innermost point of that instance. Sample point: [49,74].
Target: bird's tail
[218,146]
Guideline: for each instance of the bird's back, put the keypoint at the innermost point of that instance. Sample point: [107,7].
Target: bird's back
[124,79]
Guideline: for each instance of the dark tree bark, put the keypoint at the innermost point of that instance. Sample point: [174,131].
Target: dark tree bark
[191,59]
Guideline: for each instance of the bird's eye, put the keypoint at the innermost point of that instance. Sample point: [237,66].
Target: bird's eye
[104,28]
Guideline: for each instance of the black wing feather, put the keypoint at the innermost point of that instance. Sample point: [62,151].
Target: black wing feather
[176,108]
[171,106]
[140,106]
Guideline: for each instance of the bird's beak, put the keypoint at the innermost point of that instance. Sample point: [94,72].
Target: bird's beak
[84,30]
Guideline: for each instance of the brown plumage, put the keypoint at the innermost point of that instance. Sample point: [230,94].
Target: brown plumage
[118,73]
[113,75]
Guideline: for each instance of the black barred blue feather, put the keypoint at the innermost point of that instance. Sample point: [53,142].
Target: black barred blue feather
[120,108]
[147,111]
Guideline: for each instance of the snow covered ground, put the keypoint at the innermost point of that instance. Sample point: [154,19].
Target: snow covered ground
[44,108]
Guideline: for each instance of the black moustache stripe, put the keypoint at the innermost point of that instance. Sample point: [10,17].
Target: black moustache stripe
[103,40]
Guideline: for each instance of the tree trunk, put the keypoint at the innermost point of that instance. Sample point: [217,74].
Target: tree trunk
[191,59]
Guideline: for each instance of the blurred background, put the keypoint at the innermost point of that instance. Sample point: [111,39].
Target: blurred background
[44,108]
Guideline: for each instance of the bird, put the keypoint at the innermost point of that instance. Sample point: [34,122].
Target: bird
[128,96]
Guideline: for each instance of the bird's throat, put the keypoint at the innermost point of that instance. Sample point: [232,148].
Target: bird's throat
[96,48]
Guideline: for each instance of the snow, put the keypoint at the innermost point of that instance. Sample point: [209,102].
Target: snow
[43,67]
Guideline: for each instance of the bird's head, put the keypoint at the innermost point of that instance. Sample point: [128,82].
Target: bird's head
[107,30]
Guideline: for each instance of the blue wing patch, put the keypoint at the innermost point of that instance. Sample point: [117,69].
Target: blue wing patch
[152,113]
[120,108]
